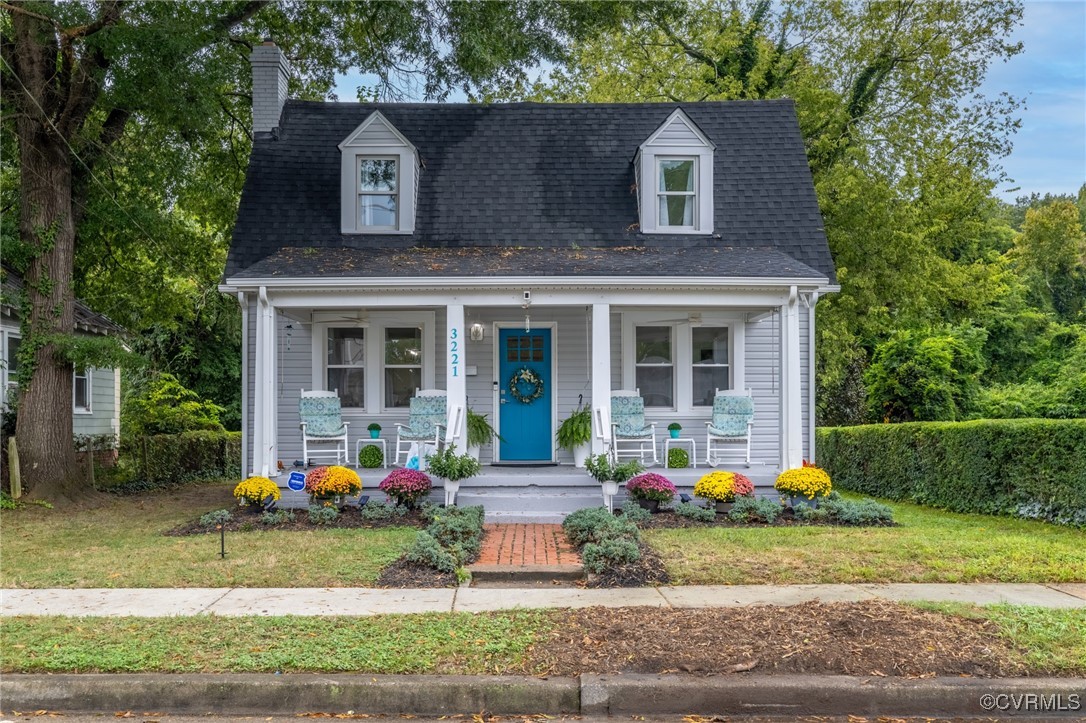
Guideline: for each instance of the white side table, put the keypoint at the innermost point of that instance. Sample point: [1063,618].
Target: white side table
[363,441]
[680,441]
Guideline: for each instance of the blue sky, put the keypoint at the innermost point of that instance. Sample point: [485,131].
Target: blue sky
[1049,153]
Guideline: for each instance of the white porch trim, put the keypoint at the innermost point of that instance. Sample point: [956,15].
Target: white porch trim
[456,387]
[791,384]
[265,412]
[601,377]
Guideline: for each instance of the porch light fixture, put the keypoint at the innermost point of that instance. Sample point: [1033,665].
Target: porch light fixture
[476,332]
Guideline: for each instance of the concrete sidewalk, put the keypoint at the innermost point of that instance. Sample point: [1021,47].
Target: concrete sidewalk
[159,602]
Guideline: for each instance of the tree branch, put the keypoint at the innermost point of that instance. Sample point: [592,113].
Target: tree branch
[243,13]
[30,13]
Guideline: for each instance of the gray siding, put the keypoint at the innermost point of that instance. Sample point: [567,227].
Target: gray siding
[103,418]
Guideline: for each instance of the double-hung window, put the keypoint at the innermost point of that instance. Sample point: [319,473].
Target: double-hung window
[346,365]
[711,363]
[81,391]
[378,193]
[403,365]
[676,194]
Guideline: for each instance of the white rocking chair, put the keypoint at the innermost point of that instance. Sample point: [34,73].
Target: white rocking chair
[322,423]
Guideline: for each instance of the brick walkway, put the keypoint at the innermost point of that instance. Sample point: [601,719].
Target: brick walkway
[526,545]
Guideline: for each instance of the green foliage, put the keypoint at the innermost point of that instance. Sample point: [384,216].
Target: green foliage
[277,517]
[169,459]
[596,524]
[805,513]
[576,429]
[373,427]
[428,552]
[371,456]
[678,458]
[93,352]
[694,512]
[7,502]
[216,517]
[323,514]
[634,512]
[612,552]
[604,470]
[381,511]
[674,427]
[1029,467]
[751,509]
[164,406]
[451,466]
[480,433]
[920,377]
[863,513]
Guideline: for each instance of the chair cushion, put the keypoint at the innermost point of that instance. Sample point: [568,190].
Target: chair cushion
[633,433]
[731,415]
[628,416]
[321,416]
[424,416]
[738,429]
[417,436]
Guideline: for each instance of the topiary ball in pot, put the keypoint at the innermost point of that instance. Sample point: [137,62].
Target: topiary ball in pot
[678,458]
[371,456]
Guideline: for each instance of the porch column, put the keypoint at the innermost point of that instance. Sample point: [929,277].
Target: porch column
[601,377]
[791,385]
[455,382]
[265,409]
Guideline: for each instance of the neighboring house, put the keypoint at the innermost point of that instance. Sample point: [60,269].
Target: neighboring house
[674,248]
[96,393]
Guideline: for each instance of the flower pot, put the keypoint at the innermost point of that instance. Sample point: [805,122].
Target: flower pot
[674,433]
[473,451]
[451,488]
[580,454]
[375,434]
[650,505]
[610,489]
[723,508]
[796,499]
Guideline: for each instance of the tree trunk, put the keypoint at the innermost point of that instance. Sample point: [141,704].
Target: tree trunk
[44,427]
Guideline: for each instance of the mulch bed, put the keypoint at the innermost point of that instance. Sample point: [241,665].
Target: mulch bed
[247,521]
[873,638]
[408,574]
[668,520]
[649,570]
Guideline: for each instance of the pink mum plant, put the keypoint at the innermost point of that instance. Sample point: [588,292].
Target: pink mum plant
[406,486]
[651,486]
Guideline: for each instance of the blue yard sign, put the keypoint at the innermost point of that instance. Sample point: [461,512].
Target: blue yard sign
[296,481]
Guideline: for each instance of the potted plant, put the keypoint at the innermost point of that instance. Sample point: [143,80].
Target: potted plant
[723,487]
[575,434]
[258,493]
[371,456]
[331,484]
[406,486]
[609,474]
[678,458]
[804,484]
[375,430]
[650,489]
[674,428]
[453,468]
[480,433]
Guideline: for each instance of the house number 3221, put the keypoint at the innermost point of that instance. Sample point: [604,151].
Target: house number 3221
[454,351]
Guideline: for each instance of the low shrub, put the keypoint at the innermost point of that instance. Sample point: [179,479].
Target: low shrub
[651,486]
[406,486]
[610,553]
[371,456]
[864,513]
[428,552]
[459,530]
[805,513]
[216,517]
[678,458]
[751,509]
[596,524]
[381,511]
[277,517]
[323,514]
[634,512]
[694,512]
[1032,468]
[164,460]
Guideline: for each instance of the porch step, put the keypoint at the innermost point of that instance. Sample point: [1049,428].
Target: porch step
[515,555]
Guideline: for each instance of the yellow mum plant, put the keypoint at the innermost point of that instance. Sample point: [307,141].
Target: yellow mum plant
[255,490]
[331,481]
[723,486]
[806,481]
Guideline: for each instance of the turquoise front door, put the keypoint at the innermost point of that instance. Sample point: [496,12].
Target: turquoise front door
[525,422]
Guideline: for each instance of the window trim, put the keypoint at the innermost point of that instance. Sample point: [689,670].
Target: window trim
[88,374]
[658,160]
[7,379]
[374,137]
[375,323]
[682,355]
[359,193]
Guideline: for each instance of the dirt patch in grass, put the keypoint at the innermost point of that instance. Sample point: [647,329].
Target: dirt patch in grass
[244,520]
[875,638]
[402,573]
[649,570]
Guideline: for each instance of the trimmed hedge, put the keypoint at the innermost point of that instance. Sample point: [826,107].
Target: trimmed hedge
[164,459]
[1032,468]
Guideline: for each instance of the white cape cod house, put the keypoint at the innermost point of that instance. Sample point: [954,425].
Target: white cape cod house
[673,249]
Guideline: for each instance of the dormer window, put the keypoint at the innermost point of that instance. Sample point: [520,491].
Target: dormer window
[379,179]
[677,194]
[674,172]
[378,189]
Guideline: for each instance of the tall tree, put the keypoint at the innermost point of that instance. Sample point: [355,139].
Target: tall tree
[77,76]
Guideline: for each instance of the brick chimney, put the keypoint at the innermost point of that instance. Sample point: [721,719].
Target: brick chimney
[270,74]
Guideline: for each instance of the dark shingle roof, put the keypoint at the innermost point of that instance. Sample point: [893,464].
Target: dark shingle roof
[694,261]
[530,175]
[86,319]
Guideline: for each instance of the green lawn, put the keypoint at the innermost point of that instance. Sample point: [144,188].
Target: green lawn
[929,546]
[120,544]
